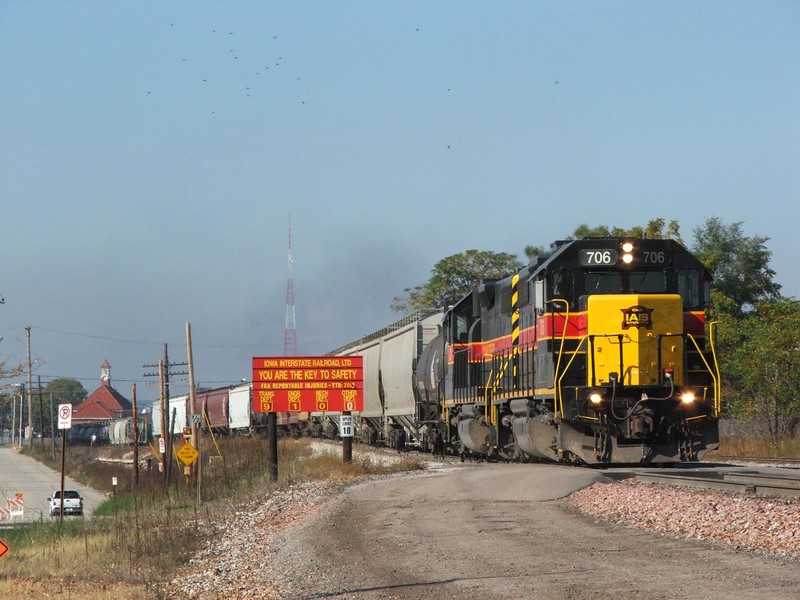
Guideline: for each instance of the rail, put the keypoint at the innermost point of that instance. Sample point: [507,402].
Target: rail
[743,483]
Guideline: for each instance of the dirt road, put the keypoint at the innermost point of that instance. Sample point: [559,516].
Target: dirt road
[488,532]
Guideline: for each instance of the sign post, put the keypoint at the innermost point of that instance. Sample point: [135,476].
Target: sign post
[64,424]
[346,433]
[306,384]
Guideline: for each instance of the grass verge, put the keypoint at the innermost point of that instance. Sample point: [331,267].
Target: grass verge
[141,536]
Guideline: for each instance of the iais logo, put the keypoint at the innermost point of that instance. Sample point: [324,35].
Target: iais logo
[637,316]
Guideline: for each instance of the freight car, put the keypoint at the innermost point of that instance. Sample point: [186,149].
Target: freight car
[595,353]
[118,432]
[391,401]
[223,411]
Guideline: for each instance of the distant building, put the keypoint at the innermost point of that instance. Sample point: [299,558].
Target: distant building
[104,404]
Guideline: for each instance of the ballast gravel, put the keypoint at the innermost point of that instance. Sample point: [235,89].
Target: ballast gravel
[246,555]
[769,526]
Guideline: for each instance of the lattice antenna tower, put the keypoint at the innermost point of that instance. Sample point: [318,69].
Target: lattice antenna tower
[290,333]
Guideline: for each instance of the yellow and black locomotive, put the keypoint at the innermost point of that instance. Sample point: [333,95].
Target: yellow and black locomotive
[595,353]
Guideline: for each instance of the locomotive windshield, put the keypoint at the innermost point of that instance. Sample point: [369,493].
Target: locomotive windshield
[615,282]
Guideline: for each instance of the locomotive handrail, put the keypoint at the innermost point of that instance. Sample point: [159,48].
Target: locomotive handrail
[492,384]
[718,393]
[714,377]
[558,396]
[486,410]
[557,400]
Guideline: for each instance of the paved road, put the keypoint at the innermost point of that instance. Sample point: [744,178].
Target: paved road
[22,474]
[498,532]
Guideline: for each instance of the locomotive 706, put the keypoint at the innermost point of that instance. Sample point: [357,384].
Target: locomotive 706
[595,353]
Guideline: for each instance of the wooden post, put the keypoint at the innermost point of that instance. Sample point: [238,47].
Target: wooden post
[347,444]
[135,437]
[196,431]
[164,418]
[272,446]
[63,469]
[41,417]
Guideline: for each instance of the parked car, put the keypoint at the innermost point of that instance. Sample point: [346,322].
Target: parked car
[73,503]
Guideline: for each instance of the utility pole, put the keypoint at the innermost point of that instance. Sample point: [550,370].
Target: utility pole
[163,371]
[168,372]
[135,438]
[196,431]
[30,387]
[41,415]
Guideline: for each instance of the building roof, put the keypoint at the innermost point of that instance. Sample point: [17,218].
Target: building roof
[103,404]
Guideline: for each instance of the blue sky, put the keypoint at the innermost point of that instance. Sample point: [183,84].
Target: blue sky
[152,152]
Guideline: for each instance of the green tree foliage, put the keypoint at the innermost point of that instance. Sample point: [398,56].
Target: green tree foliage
[66,390]
[453,277]
[45,401]
[532,252]
[583,230]
[761,364]
[739,264]
[656,229]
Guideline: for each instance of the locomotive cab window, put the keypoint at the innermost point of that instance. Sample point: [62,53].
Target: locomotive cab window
[648,282]
[461,328]
[562,285]
[616,282]
[603,283]
[689,287]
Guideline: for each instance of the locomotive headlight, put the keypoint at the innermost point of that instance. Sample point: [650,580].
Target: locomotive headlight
[687,397]
[595,398]
[627,252]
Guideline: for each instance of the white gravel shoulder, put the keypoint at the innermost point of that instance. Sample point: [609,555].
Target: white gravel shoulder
[242,558]
[769,526]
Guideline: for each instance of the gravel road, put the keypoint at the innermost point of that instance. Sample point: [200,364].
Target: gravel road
[427,535]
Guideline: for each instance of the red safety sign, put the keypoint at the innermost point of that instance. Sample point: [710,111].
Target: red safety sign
[308,384]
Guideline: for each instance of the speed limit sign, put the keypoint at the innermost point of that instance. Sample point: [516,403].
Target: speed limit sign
[64,416]
[346,426]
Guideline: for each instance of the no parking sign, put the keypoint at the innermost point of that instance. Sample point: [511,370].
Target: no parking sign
[64,416]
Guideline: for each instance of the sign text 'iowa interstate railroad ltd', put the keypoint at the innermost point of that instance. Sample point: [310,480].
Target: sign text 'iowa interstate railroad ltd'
[308,383]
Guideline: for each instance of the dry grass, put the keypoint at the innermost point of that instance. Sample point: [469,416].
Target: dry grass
[140,538]
[759,446]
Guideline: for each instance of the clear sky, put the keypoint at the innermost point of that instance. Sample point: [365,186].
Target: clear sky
[151,153]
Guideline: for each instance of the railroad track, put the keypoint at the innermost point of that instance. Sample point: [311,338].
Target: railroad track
[752,459]
[751,483]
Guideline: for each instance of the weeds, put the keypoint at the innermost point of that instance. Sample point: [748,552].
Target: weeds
[144,533]
[758,446]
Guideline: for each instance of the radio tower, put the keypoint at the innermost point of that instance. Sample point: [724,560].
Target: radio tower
[290,334]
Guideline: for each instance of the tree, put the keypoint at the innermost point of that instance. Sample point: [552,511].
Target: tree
[739,264]
[656,229]
[583,230]
[8,372]
[761,364]
[453,277]
[66,390]
[532,252]
[57,391]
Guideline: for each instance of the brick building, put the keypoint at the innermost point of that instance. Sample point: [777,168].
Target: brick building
[104,404]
